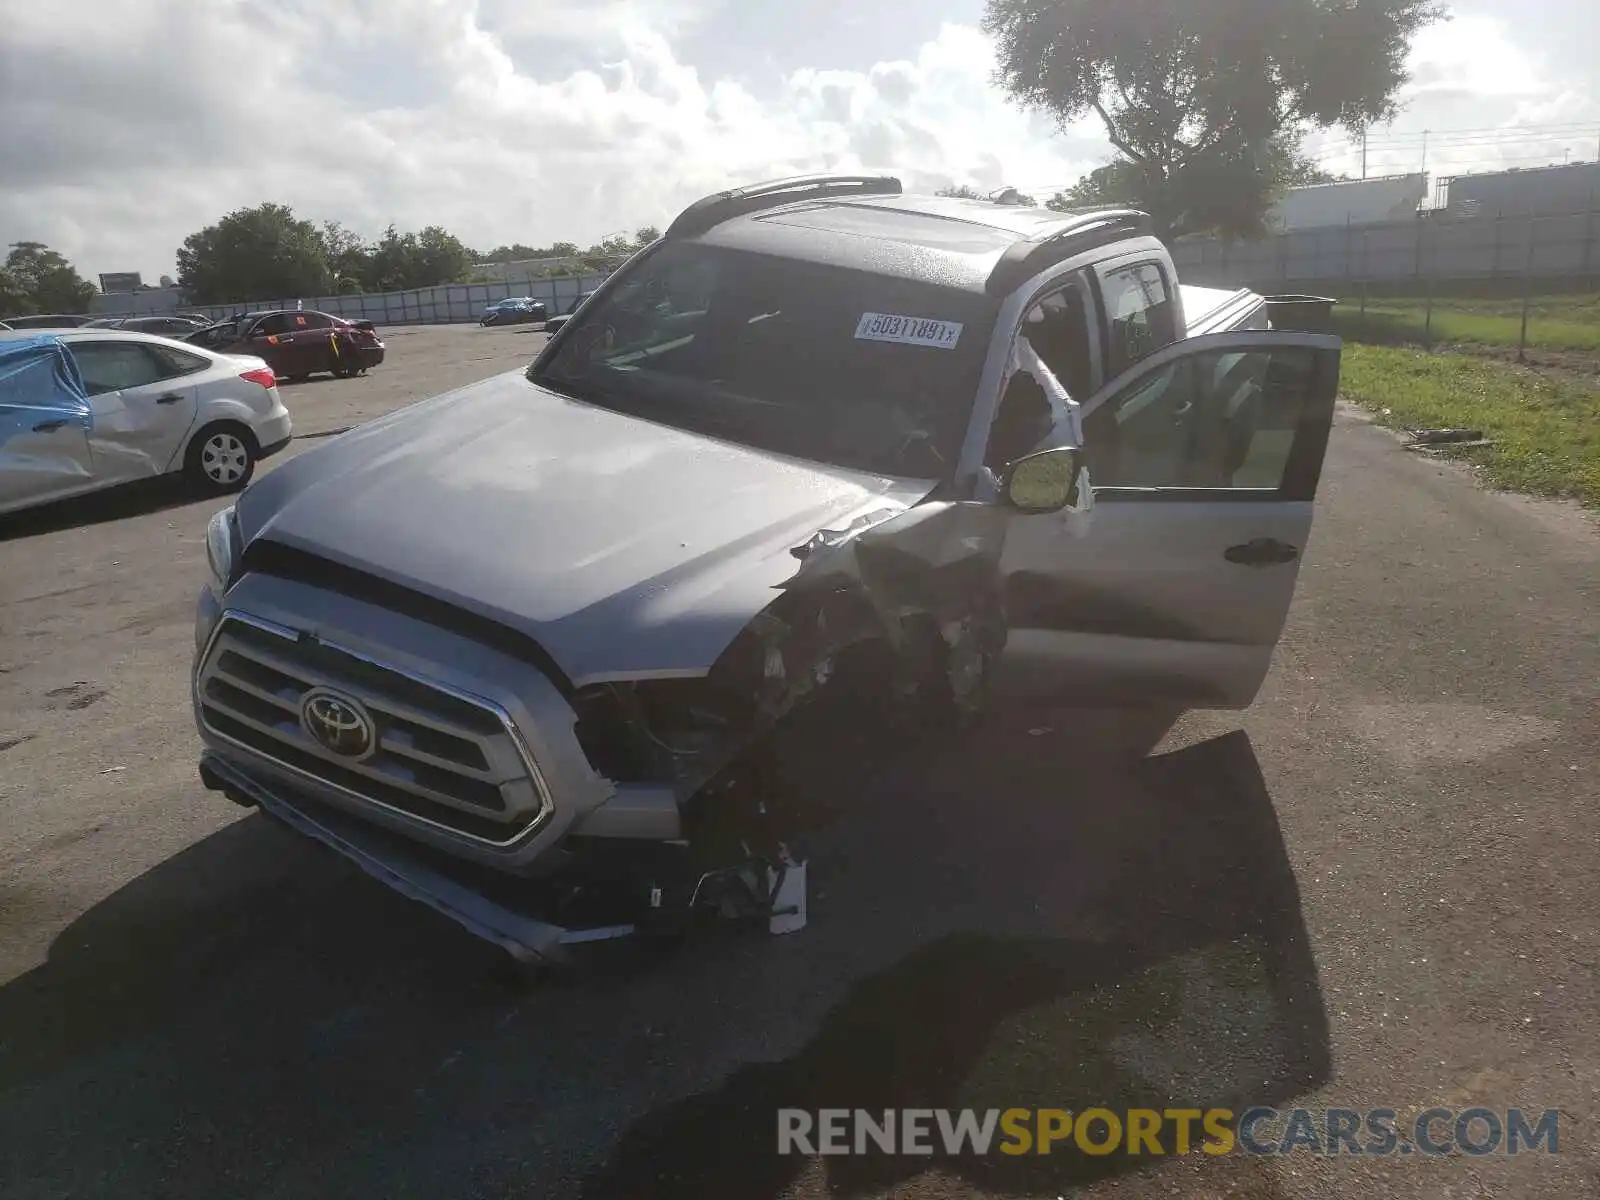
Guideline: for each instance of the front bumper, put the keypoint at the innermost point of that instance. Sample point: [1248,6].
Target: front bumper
[526,938]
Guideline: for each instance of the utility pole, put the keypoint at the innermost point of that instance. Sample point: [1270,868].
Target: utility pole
[1425,134]
[1363,152]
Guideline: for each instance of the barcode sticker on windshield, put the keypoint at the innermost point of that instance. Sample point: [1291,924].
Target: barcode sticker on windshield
[910,331]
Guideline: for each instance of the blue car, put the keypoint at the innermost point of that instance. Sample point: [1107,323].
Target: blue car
[518,310]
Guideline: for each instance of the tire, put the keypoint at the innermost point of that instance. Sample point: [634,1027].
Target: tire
[221,458]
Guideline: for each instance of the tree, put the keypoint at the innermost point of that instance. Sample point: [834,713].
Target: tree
[961,191]
[441,258]
[1196,95]
[645,235]
[517,252]
[615,245]
[254,254]
[399,261]
[14,298]
[1216,194]
[39,279]
[347,253]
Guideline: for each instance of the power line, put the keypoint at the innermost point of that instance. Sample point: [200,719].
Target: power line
[1510,140]
[1397,146]
[1578,126]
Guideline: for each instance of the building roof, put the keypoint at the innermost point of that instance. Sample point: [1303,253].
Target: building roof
[1352,202]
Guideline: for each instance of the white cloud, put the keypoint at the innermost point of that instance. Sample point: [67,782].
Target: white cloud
[538,120]
[141,128]
[1478,100]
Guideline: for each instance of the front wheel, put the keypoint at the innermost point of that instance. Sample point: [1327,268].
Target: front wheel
[221,458]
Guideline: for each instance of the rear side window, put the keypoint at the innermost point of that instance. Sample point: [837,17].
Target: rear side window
[177,362]
[1140,312]
[117,366]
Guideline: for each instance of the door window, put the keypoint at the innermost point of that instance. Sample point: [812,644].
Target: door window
[312,320]
[1140,314]
[117,366]
[277,323]
[1225,419]
[1054,357]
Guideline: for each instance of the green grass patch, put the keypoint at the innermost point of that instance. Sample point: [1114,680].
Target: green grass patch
[1554,322]
[1546,432]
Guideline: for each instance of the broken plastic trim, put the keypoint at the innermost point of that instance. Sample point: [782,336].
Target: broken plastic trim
[524,938]
[780,888]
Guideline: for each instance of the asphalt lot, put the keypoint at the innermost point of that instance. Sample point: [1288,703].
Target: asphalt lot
[1381,893]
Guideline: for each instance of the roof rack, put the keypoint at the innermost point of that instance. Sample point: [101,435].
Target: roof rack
[713,210]
[1088,230]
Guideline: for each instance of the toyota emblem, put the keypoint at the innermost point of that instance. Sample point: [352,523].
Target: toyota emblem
[338,723]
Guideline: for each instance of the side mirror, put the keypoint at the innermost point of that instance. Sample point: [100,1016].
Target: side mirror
[1043,482]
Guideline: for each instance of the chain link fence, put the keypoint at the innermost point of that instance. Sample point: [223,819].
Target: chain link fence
[1523,281]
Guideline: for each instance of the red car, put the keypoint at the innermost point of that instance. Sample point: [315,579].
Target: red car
[296,344]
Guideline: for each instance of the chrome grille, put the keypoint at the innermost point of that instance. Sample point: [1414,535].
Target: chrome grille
[438,755]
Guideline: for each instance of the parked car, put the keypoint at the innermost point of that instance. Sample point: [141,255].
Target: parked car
[165,326]
[297,344]
[518,310]
[822,442]
[85,409]
[48,321]
[556,322]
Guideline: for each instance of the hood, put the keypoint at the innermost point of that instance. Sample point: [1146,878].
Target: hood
[625,548]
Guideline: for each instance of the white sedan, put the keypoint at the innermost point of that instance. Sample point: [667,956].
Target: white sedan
[147,406]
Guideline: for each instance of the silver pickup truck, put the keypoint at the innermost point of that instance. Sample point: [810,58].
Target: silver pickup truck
[821,440]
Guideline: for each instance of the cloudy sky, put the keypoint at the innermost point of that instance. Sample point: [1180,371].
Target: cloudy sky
[140,121]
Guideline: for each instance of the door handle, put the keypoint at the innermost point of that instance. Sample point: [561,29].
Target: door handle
[169,398]
[1262,552]
[50,426]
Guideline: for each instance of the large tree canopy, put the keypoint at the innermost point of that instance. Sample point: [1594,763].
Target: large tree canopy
[267,253]
[37,279]
[254,254]
[1198,95]
[412,260]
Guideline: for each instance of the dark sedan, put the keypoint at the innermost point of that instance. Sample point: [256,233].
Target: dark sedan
[297,344]
[518,310]
[171,326]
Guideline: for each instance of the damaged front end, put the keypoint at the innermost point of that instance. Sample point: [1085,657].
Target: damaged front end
[889,624]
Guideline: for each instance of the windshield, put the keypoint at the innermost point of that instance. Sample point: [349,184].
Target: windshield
[820,362]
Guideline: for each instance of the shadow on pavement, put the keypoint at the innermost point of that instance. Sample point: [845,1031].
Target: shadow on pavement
[138,498]
[1197,990]
[319,377]
[999,923]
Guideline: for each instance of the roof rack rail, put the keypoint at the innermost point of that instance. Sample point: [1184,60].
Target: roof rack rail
[1091,228]
[711,211]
